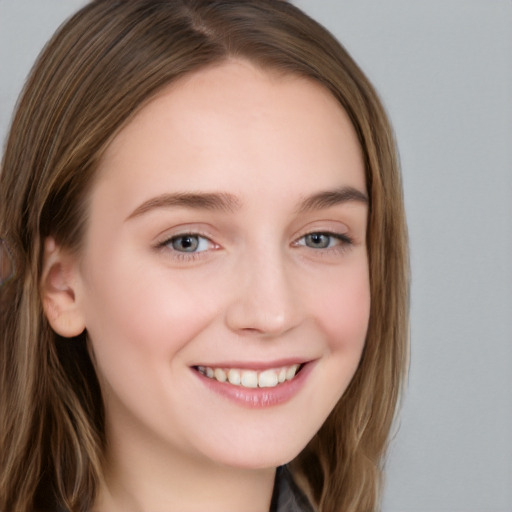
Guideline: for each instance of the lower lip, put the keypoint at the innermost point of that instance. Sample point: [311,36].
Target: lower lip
[259,398]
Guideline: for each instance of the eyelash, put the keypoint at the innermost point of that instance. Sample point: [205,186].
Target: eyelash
[344,243]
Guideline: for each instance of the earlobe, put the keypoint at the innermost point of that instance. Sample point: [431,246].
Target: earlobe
[60,290]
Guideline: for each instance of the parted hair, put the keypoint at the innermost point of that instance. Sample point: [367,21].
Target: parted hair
[100,68]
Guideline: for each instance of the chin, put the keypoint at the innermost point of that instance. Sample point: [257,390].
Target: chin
[252,455]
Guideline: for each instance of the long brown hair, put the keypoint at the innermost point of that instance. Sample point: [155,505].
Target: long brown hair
[100,68]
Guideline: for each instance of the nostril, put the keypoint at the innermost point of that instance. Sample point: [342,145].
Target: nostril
[250,330]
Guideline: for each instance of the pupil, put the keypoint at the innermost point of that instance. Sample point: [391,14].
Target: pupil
[318,240]
[186,243]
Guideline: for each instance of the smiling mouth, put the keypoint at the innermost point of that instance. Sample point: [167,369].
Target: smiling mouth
[268,378]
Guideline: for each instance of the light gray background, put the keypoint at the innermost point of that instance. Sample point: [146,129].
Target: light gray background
[444,71]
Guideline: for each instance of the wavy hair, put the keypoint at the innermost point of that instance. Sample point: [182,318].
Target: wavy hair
[101,67]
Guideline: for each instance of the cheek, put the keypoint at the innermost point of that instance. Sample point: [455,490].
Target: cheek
[147,317]
[343,310]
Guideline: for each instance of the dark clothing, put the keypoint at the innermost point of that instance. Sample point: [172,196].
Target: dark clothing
[287,497]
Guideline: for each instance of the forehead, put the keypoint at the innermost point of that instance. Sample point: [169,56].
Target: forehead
[240,123]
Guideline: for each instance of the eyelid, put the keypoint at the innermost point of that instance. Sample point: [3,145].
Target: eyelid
[344,243]
[184,229]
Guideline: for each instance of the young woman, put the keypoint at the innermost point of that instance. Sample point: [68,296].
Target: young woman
[202,205]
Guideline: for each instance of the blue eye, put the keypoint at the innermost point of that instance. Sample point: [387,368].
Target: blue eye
[189,243]
[323,240]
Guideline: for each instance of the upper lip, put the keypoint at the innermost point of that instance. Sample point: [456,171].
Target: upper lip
[256,365]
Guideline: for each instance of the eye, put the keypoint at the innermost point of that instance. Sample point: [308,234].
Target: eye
[189,243]
[324,240]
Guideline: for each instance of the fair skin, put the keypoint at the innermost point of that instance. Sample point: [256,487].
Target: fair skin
[226,232]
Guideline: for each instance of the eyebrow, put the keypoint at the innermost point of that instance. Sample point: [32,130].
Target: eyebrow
[229,203]
[329,198]
[221,202]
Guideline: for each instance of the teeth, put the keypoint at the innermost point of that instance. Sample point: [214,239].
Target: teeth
[250,378]
[291,371]
[234,377]
[268,379]
[220,375]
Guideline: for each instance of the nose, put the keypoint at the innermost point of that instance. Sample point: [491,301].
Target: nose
[264,301]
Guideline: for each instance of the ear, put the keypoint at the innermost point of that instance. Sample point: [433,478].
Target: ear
[60,287]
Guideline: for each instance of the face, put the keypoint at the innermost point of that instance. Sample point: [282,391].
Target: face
[224,280]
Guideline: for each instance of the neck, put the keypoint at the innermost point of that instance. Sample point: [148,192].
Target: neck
[148,477]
